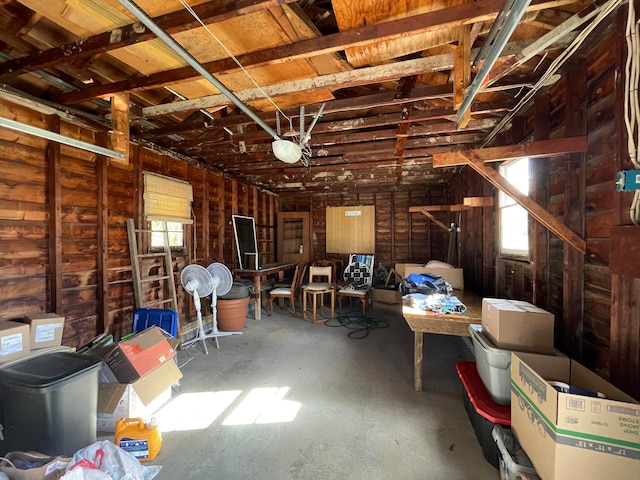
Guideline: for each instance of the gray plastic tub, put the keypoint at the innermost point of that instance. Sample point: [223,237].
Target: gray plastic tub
[494,366]
[513,459]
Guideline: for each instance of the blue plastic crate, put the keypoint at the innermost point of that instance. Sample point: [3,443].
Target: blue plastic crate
[167,320]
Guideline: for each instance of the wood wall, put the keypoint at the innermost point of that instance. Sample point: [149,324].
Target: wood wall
[401,236]
[63,238]
[597,314]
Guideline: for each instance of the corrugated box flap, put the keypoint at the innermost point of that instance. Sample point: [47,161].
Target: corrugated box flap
[109,395]
[157,381]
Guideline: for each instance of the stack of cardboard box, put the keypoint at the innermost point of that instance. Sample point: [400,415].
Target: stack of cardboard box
[35,331]
[136,377]
[588,429]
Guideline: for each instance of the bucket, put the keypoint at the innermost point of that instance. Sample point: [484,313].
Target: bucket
[141,440]
[232,314]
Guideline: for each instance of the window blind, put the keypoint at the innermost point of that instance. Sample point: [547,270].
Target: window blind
[167,199]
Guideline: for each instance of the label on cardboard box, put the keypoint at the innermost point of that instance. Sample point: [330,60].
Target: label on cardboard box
[11,344]
[14,340]
[569,435]
[47,332]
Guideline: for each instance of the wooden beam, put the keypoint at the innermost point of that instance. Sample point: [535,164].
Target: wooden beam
[462,72]
[119,135]
[430,216]
[536,211]
[574,213]
[461,67]
[543,148]
[361,76]
[439,208]
[539,188]
[53,158]
[102,322]
[478,201]
[453,16]
[172,23]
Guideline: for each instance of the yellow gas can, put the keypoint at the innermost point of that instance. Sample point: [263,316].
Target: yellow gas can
[142,440]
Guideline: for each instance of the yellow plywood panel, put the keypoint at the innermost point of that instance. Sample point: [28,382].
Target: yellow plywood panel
[351,229]
[350,14]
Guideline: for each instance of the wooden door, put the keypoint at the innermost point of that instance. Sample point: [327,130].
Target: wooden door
[294,233]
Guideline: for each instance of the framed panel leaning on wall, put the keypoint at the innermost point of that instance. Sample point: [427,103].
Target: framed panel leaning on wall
[351,229]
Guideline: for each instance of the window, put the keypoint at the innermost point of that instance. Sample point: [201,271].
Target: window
[175,232]
[514,220]
[167,200]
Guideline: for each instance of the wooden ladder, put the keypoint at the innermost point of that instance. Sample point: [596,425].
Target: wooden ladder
[142,285]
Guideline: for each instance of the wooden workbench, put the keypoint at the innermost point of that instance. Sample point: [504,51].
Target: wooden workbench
[422,322]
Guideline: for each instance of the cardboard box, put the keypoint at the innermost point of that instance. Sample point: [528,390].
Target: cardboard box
[139,399]
[14,340]
[46,329]
[568,435]
[135,357]
[517,325]
[453,276]
[386,299]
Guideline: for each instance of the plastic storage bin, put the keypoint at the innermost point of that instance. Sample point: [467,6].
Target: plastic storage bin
[494,366]
[483,412]
[167,320]
[49,403]
[513,459]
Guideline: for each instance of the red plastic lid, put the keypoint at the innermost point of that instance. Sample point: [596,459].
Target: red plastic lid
[480,398]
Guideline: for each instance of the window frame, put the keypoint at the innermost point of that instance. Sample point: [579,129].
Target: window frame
[506,253]
[182,232]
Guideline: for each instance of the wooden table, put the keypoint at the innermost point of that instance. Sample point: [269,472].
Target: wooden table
[256,275]
[422,322]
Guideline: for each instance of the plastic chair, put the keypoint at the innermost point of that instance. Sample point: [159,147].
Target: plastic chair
[290,292]
[317,290]
[165,319]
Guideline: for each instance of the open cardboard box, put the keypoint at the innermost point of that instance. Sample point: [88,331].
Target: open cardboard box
[135,357]
[567,435]
[139,399]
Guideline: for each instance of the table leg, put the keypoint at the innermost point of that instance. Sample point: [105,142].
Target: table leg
[257,297]
[417,362]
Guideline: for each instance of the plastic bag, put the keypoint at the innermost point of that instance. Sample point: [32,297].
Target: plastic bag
[85,470]
[114,461]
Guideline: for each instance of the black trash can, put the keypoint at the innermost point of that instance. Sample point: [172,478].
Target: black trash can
[48,403]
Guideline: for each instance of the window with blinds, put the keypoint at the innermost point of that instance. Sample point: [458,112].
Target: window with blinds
[167,199]
[167,206]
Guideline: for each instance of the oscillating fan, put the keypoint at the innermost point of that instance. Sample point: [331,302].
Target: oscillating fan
[222,283]
[197,282]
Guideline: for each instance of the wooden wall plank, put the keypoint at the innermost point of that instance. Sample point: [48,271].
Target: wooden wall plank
[574,218]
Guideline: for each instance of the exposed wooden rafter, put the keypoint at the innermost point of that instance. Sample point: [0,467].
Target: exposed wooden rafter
[472,159]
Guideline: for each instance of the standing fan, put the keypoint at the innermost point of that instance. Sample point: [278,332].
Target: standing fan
[222,283]
[198,283]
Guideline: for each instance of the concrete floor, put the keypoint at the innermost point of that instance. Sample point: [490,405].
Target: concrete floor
[291,400]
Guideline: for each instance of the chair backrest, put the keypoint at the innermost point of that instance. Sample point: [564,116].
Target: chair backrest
[358,273]
[317,273]
[298,278]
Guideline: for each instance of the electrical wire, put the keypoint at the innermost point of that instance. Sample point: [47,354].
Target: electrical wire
[360,324]
[231,55]
[553,68]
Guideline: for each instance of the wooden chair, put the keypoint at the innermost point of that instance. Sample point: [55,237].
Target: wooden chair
[321,283]
[292,291]
[358,277]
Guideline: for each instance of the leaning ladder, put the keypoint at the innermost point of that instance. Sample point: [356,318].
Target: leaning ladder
[142,284]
